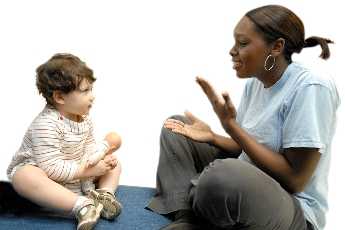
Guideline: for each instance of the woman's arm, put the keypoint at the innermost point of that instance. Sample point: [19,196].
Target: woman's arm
[227,144]
[292,169]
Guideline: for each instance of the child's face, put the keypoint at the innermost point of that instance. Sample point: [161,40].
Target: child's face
[78,102]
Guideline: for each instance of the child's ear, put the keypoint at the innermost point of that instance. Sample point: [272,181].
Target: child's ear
[58,97]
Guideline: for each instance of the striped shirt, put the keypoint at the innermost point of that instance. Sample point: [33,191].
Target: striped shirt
[57,145]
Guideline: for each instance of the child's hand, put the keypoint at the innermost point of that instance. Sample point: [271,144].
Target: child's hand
[100,169]
[111,160]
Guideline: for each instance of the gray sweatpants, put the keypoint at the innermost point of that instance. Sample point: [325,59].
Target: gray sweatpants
[228,193]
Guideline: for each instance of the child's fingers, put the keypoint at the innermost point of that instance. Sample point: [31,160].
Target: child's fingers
[115,163]
[108,160]
[108,167]
[111,161]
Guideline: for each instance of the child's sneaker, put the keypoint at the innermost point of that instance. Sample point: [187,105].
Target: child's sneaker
[88,216]
[111,207]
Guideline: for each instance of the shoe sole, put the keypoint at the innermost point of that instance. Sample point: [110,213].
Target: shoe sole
[89,224]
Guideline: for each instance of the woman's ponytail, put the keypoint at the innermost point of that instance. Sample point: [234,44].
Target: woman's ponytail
[323,42]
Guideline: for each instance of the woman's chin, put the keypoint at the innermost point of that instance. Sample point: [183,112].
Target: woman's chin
[240,74]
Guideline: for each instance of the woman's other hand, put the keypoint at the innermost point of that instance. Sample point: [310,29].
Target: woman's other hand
[196,129]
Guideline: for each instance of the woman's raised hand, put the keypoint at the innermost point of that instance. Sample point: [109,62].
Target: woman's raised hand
[222,106]
[195,129]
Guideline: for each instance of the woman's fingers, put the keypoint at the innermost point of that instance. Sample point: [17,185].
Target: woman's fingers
[191,116]
[176,126]
[210,92]
[205,86]
[175,121]
[172,123]
[208,89]
[228,102]
[180,130]
[227,99]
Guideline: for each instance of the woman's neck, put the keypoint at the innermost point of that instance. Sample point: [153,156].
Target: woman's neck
[269,78]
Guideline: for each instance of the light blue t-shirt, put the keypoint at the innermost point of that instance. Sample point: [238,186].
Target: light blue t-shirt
[299,110]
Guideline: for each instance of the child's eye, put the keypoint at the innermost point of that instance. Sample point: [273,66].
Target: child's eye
[87,90]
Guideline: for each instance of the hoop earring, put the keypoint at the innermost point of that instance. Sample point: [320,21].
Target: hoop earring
[273,64]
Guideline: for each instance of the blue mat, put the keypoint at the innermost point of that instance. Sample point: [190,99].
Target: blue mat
[134,215]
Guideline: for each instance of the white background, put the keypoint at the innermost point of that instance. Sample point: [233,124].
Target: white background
[146,55]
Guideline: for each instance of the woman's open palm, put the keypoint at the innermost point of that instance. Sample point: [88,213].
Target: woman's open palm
[196,129]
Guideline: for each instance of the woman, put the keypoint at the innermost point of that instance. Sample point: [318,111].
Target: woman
[281,134]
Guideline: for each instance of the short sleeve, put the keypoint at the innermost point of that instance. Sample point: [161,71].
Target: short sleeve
[308,118]
[242,107]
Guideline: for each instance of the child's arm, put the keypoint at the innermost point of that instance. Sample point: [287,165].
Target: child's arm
[111,143]
[99,169]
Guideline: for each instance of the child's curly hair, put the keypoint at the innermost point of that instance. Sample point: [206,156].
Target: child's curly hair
[63,72]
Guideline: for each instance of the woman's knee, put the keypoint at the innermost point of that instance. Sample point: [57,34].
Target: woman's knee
[229,190]
[167,133]
[230,179]
[212,177]
[219,179]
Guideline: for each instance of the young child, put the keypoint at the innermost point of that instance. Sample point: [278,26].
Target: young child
[58,153]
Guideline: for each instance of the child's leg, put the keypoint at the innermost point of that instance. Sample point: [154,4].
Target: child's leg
[110,181]
[88,184]
[32,183]
[107,185]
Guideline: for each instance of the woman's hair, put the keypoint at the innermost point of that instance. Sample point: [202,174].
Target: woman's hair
[274,22]
[62,72]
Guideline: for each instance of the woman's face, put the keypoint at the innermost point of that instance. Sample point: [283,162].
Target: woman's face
[249,51]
